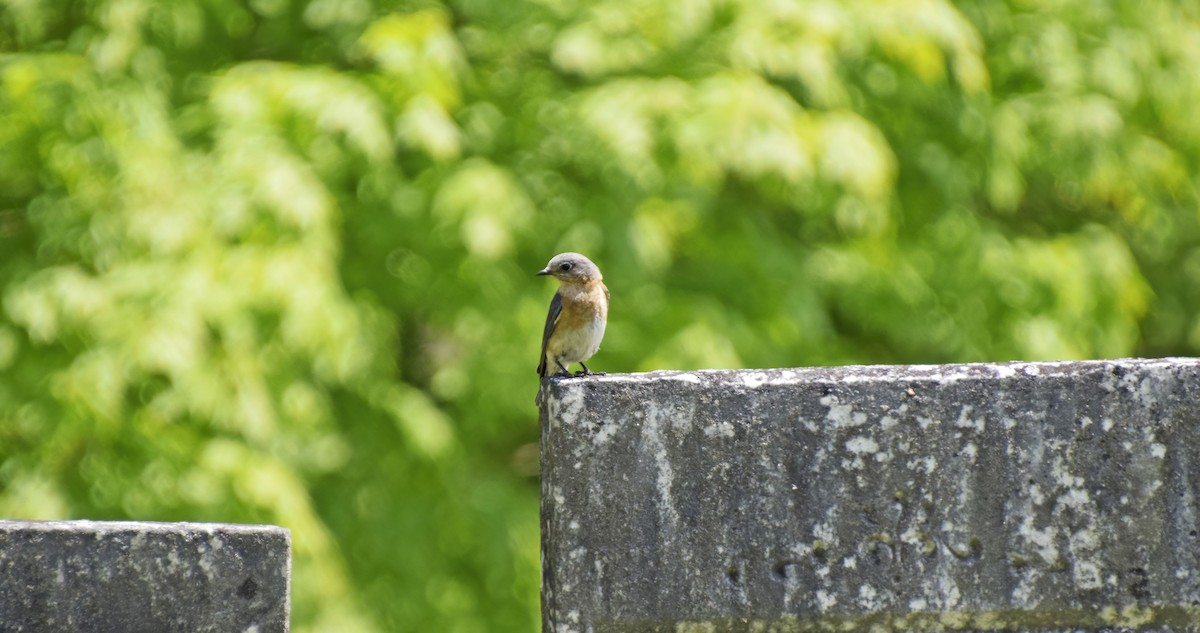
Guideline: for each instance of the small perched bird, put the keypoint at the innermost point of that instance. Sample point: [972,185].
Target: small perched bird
[578,314]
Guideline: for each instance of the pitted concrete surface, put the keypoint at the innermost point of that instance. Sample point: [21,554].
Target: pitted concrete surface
[138,577]
[1015,496]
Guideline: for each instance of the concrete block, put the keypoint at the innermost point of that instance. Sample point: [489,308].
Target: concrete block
[1017,496]
[135,577]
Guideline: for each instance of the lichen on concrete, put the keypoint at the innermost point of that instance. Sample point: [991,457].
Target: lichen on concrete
[1031,496]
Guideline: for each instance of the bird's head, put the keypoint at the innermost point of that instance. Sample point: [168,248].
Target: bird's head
[571,268]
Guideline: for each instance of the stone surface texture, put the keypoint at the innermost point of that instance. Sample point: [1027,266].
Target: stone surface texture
[135,577]
[1015,496]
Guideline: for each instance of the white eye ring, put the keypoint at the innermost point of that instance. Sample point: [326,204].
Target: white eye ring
[565,266]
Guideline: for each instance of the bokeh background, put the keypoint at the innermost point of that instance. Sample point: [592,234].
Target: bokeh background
[272,260]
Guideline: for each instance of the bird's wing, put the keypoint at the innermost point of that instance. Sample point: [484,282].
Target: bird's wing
[551,321]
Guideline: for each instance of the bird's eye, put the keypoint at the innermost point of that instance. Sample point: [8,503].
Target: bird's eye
[565,266]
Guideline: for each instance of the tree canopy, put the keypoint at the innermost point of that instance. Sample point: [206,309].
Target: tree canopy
[271,260]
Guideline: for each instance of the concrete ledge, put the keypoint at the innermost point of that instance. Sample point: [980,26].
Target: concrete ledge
[1018,496]
[136,577]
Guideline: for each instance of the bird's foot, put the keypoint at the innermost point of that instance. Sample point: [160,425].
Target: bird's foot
[588,372]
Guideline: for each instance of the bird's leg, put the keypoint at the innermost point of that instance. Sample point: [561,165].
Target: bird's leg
[565,371]
[588,372]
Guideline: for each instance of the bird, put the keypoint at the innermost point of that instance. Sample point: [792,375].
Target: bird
[577,317]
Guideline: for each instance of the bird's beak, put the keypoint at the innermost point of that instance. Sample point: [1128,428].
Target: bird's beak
[544,271]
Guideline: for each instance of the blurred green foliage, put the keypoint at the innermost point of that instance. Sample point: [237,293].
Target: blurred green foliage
[271,260]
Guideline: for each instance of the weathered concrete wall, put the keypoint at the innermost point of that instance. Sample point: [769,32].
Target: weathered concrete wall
[1023,496]
[133,577]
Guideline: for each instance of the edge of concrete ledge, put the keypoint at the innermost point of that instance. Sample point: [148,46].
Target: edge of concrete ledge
[143,526]
[753,377]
